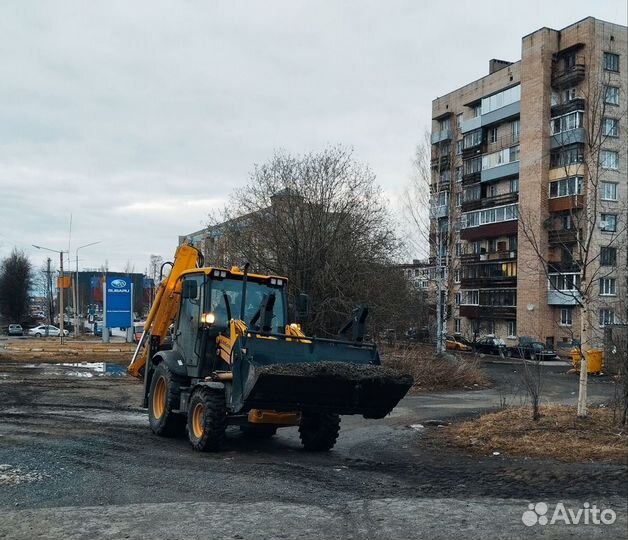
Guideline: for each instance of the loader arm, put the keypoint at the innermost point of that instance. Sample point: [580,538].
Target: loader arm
[164,309]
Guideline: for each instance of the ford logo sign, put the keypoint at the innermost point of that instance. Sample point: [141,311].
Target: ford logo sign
[118,283]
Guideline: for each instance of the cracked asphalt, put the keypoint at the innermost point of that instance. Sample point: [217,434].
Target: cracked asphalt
[77,460]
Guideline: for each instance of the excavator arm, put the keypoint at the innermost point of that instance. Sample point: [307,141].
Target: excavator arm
[164,309]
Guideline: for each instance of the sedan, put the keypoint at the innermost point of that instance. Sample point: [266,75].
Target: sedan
[534,350]
[457,343]
[491,345]
[46,330]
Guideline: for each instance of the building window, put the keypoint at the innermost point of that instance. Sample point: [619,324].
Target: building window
[608,223]
[514,185]
[501,99]
[566,316]
[608,287]
[459,174]
[477,110]
[459,147]
[609,159]
[608,256]
[459,120]
[512,328]
[458,249]
[567,122]
[569,94]
[445,124]
[564,282]
[457,326]
[515,130]
[610,127]
[495,159]
[472,166]
[611,95]
[607,316]
[477,247]
[611,61]
[472,139]
[493,135]
[567,156]
[470,298]
[490,327]
[565,187]
[608,191]
[492,215]
[457,276]
[458,298]
[512,243]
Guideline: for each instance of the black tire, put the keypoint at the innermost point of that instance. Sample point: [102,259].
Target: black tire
[37,335]
[163,400]
[207,419]
[319,431]
[259,431]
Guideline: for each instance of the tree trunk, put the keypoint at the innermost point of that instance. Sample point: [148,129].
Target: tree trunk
[582,387]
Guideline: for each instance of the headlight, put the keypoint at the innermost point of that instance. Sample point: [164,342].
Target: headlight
[208,318]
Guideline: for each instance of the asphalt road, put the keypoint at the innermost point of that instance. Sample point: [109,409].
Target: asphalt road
[77,460]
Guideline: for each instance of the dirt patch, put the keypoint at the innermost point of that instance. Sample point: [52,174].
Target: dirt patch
[559,434]
[432,372]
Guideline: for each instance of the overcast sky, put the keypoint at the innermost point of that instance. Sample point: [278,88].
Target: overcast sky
[139,118]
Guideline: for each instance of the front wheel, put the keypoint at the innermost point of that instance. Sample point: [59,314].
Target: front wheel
[207,419]
[319,431]
[163,399]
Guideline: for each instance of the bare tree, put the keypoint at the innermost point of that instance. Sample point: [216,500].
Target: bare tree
[321,220]
[577,264]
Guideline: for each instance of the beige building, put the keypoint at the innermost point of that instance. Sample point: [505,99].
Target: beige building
[529,189]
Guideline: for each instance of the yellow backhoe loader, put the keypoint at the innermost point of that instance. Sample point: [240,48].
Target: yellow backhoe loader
[218,349]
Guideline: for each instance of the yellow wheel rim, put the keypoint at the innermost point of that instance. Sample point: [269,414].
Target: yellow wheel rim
[159,398]
[197,420]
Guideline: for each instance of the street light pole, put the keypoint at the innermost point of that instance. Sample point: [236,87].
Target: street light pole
[76,287]
[61,321]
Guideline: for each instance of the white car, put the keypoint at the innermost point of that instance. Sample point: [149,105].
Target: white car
[46,330]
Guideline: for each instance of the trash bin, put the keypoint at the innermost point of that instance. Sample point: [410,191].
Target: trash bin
[594,360]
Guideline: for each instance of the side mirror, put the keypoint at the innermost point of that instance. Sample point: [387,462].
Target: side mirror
[190,289]
[303,305]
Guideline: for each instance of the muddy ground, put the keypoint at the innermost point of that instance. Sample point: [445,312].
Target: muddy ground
[78,460]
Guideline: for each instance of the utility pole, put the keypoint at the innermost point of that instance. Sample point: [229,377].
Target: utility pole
[49,291]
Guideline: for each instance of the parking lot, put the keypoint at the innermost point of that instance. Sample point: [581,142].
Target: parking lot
[79,460]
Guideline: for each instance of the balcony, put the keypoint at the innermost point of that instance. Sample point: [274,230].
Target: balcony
[564,267]
[504,198]
[488,312]
[571,106]
[471,124]
[437,212]
[440,164]
[471,178]
[570,202]
[490,230]
[563,236]
[568,77]
[563,298]
[440,136]
[467,258]
[573,136]
[488,281]
[501,114]
[501,171]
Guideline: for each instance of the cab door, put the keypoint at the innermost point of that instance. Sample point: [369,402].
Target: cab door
[187,335]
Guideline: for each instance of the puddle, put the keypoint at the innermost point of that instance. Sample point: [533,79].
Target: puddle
[82,369]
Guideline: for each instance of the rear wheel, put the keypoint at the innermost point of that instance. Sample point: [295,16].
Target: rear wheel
[319,431]
[163,399]
[259,431]
[207,419]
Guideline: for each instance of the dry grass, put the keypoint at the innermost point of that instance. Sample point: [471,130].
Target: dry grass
[558,434]
[432,372]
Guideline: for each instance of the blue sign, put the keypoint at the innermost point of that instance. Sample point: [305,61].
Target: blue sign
[118,302]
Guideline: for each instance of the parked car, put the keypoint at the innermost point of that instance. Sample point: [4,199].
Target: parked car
[531,349]
[16,330]
[457,343]
[47,330]
[490,345]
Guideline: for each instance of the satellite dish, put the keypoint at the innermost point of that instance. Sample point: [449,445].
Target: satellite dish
[530,307]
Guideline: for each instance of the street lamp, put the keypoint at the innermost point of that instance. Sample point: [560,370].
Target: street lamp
[62,284]
[76,286]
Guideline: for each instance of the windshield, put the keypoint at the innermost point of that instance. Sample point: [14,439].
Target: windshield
[226,298]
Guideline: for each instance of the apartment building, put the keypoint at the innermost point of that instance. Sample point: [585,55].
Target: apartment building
[529,189]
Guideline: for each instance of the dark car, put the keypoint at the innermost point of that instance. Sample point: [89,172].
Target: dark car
[490,345]
[532,350]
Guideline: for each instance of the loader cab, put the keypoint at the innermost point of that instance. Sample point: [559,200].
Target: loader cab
[210,298]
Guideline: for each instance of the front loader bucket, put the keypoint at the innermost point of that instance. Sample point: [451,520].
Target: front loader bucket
[286,374]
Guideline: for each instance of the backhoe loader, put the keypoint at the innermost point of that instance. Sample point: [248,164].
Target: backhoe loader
[218,350]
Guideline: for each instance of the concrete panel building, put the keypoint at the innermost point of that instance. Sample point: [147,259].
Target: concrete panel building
[529,189]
